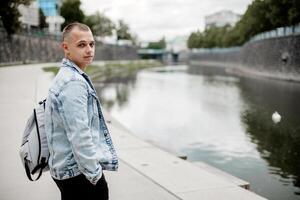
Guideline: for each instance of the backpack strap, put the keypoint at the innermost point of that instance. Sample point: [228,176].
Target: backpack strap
[28,171]
[43,102]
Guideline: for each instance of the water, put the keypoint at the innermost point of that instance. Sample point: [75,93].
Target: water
[217,118]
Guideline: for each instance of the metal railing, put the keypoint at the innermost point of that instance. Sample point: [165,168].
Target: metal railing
[216,50]
[278,32]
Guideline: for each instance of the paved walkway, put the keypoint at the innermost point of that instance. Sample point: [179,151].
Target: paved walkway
[145,172]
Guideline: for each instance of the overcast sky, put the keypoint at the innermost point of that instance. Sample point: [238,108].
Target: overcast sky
[153,19]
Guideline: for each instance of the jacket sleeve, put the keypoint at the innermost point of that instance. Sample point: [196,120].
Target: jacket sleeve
[74,98]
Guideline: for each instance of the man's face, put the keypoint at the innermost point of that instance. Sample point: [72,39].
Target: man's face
[79,47]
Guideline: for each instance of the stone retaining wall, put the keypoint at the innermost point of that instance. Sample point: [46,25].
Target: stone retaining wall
[273,57]
[40,49]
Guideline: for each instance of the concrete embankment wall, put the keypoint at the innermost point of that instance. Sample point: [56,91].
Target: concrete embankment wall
[274,58]
[36,49]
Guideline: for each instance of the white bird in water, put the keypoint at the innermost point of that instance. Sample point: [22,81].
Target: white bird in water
[276,117]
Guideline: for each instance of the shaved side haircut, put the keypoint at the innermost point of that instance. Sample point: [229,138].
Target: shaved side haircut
[70,27]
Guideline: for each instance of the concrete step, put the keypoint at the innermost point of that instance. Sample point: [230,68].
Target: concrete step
[226,176]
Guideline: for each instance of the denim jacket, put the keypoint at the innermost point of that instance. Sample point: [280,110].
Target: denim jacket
[78,138]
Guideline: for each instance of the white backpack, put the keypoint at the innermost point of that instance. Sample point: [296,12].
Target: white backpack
[34,150]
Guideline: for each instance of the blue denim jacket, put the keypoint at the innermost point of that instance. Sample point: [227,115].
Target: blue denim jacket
[78,138]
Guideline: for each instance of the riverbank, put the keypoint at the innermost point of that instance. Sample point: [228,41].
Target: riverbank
[103,71]
[276,58]
[146,172]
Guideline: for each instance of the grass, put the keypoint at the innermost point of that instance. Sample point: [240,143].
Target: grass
[51,69]
[113,69]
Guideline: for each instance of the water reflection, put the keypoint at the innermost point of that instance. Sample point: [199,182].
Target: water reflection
[223,120]
[115,91]
[278,144]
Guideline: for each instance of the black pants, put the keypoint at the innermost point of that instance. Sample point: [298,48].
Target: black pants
[79,188]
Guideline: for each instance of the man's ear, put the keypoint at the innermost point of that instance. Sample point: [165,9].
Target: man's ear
[64,46]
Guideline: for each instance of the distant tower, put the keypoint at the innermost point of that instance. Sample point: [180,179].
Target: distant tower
[222,18]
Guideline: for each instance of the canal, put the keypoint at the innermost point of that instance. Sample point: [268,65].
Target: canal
[211,116]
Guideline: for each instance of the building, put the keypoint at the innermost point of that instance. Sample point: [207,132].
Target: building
[51,9]
[29,15]
[222,18]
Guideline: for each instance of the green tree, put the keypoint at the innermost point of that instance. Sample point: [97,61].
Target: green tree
[100,24]
[254,21]
[71,11]
[161,44]
[231,37]
[192,41]
[43,24]
[265,15]
[278,12]
[211,37]
[284,12]
[294,12]
[10,14]
[123,32]
[195,40]
[260,16]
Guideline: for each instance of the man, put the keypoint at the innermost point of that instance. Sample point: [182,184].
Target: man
[79,142]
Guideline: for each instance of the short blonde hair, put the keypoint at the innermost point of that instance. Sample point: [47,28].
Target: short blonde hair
[71,26]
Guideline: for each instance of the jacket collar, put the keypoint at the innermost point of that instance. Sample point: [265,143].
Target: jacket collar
[68,63]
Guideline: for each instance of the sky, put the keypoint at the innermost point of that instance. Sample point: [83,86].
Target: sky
[151,20]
